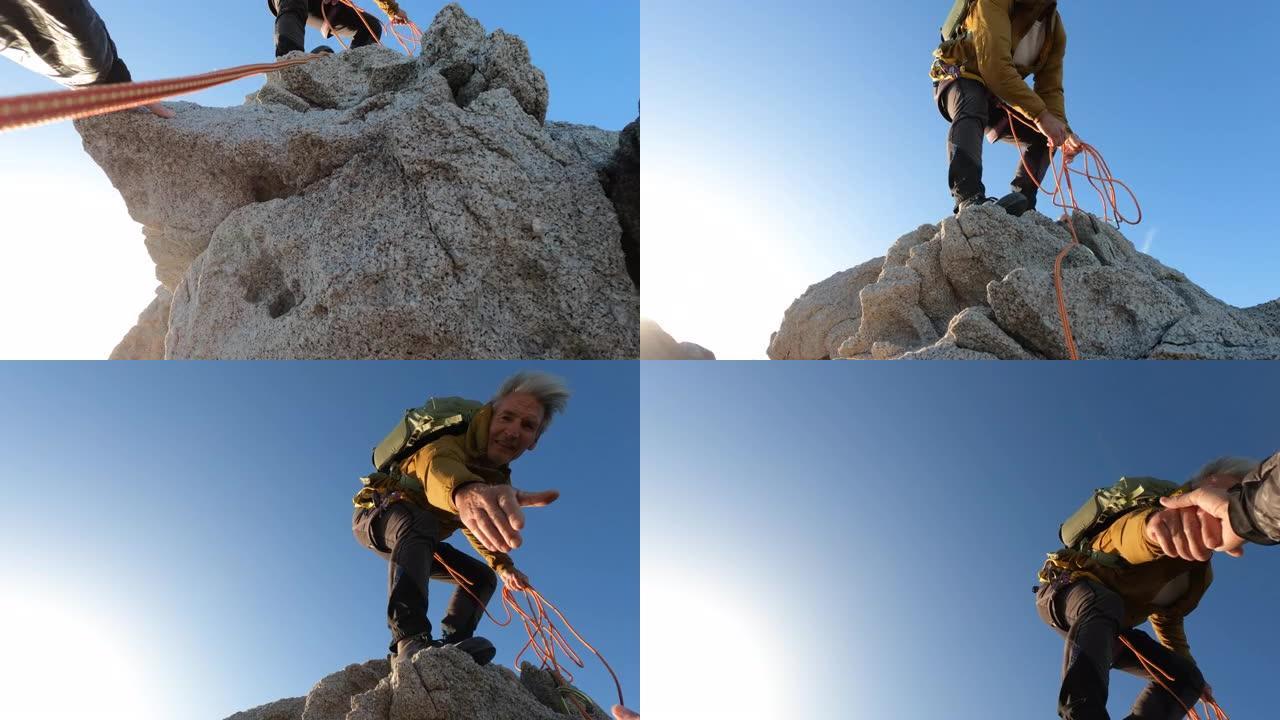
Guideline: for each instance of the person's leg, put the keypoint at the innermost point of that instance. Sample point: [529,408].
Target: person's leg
[965,103]
[357,28]
[405,535]
[464,612]
[1033,151]
[1088,616]
[291,25]
[1155,702]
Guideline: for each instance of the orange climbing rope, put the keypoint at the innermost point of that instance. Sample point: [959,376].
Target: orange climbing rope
[30,110]
[412,47]
[1212,710]
[544,636]
[1064,196]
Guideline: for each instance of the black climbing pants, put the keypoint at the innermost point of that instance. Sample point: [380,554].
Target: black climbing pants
[407,537]
[972,111]
[292,17]
[1088,615]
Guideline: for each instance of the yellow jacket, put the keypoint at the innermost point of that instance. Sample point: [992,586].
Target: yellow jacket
[984,52]
[444,465]
[1147,577]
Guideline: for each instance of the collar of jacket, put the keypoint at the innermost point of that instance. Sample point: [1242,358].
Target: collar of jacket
[476,444]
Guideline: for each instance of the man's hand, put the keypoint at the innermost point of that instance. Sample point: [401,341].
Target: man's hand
[159,110]
[1051,127]
[1179,533]
[1214,512]
[516,579]
[1072,147]
[621,713]
[493,512]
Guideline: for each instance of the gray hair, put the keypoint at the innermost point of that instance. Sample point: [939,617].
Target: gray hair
[1236,467]
[550,391]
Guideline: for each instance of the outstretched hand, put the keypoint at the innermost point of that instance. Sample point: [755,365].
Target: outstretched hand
[493,512]
[1212,507]
[159,110]
[621,713]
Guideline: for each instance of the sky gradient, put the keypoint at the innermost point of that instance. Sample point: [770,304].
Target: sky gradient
[64,218]
[863,544]
[786,143]
[183,530]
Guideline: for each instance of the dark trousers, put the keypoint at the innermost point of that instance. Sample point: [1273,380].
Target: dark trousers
[407,537]
[292,17]
[1088,615]
[972,111]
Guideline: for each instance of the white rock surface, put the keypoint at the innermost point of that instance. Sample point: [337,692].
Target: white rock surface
[365,206]
[980,286]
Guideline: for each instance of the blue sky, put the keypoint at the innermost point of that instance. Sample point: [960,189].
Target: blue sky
[788,142]
[61,211]
[194,518]
[863,544]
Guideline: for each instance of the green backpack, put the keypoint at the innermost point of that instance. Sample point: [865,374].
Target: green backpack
[954,23]
[435,419]
[1106,504]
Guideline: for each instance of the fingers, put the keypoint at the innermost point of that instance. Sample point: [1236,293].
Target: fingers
[1210,529]
[1192,532]
[1173,521]
[537,499]
[509,506]
[1178,501]
[486,531]
[1159,532]
[160,110]
[621,713]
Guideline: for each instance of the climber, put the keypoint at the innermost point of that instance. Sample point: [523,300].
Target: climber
[330,17]
[1224,520]
[1114,574]
[65,40]
[457,481]
[988,49]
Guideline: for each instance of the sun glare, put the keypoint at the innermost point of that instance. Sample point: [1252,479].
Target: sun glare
[57,662]
[706,653]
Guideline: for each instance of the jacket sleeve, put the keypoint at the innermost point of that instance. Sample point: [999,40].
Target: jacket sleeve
[1171,633]
[1255,504]
[442,469]
[63,39]
[390,7]
[1127,538]
[1049,78]
[497,561]
[993,44]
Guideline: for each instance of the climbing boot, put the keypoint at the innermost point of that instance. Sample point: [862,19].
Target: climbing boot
[410,646]
[1015,203]
[480,649]
[322,50]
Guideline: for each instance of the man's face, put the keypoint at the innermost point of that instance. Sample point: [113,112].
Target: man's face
[514,428]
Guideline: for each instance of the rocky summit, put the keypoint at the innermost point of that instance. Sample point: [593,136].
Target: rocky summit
[436,684]
[980,287]
[372,205]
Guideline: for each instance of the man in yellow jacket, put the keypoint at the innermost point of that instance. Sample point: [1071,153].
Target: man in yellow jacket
[463,483]
[1096,600]
[979,70]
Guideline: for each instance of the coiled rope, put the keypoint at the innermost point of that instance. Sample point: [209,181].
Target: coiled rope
[1064,196]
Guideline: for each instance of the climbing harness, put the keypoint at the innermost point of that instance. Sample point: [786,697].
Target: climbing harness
[1064,196]
[544,638]
[1212,710]
[37,109]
